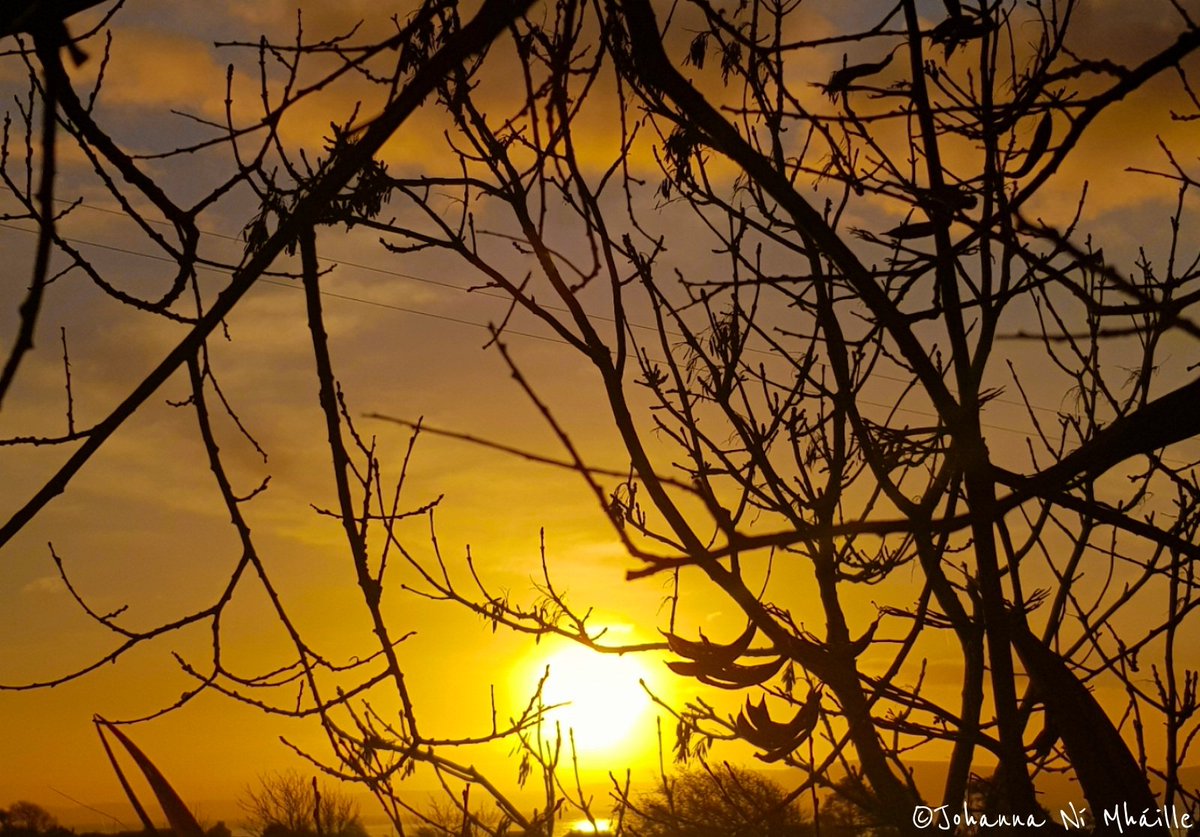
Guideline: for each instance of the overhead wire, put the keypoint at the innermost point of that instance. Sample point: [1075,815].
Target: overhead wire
[477,291]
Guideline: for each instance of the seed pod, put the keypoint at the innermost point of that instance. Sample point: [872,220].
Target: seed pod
[914,229]
[711,652]
[778,739]
[729,676]
[841,80]
[1039,145]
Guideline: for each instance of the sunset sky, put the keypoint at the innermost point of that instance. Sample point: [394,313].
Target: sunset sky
[143,526]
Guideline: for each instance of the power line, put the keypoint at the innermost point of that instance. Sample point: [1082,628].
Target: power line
[342,263]
[391,307]
[476,291]
[88,807]
[1025,433]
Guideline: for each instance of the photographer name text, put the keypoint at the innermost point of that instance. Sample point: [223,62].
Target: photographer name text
[1120,816]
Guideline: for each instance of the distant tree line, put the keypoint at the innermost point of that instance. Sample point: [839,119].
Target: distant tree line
[289,805]
[707,801]
[28,819]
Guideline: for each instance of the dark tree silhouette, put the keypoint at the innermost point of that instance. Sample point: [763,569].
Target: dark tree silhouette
[806,272]
[291,805]
[27,818]
[717,802]
[762,367]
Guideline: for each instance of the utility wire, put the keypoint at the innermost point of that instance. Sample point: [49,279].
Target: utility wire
[474,291]
[471,323]
[484,292]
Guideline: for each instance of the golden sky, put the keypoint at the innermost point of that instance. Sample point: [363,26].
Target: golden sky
[143,526]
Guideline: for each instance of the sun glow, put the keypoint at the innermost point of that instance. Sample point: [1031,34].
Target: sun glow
[598,698]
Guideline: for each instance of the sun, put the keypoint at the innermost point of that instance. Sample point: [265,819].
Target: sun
[603,704]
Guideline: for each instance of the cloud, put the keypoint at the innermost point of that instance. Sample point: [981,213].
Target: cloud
[321,20]
[46,585]
[152,67]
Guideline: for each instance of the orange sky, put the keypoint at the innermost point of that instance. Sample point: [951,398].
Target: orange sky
[142,524]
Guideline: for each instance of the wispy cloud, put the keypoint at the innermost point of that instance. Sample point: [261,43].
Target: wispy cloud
[46,585]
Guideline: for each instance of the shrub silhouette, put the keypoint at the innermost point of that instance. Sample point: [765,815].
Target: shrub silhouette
[723,801]
[289,805]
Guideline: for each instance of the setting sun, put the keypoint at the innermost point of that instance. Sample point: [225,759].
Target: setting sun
[598,696]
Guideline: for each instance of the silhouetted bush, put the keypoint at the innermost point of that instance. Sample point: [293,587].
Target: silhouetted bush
[725,801]
[289,805]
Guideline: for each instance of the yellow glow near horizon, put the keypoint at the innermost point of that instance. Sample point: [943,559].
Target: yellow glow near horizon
[602,700]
